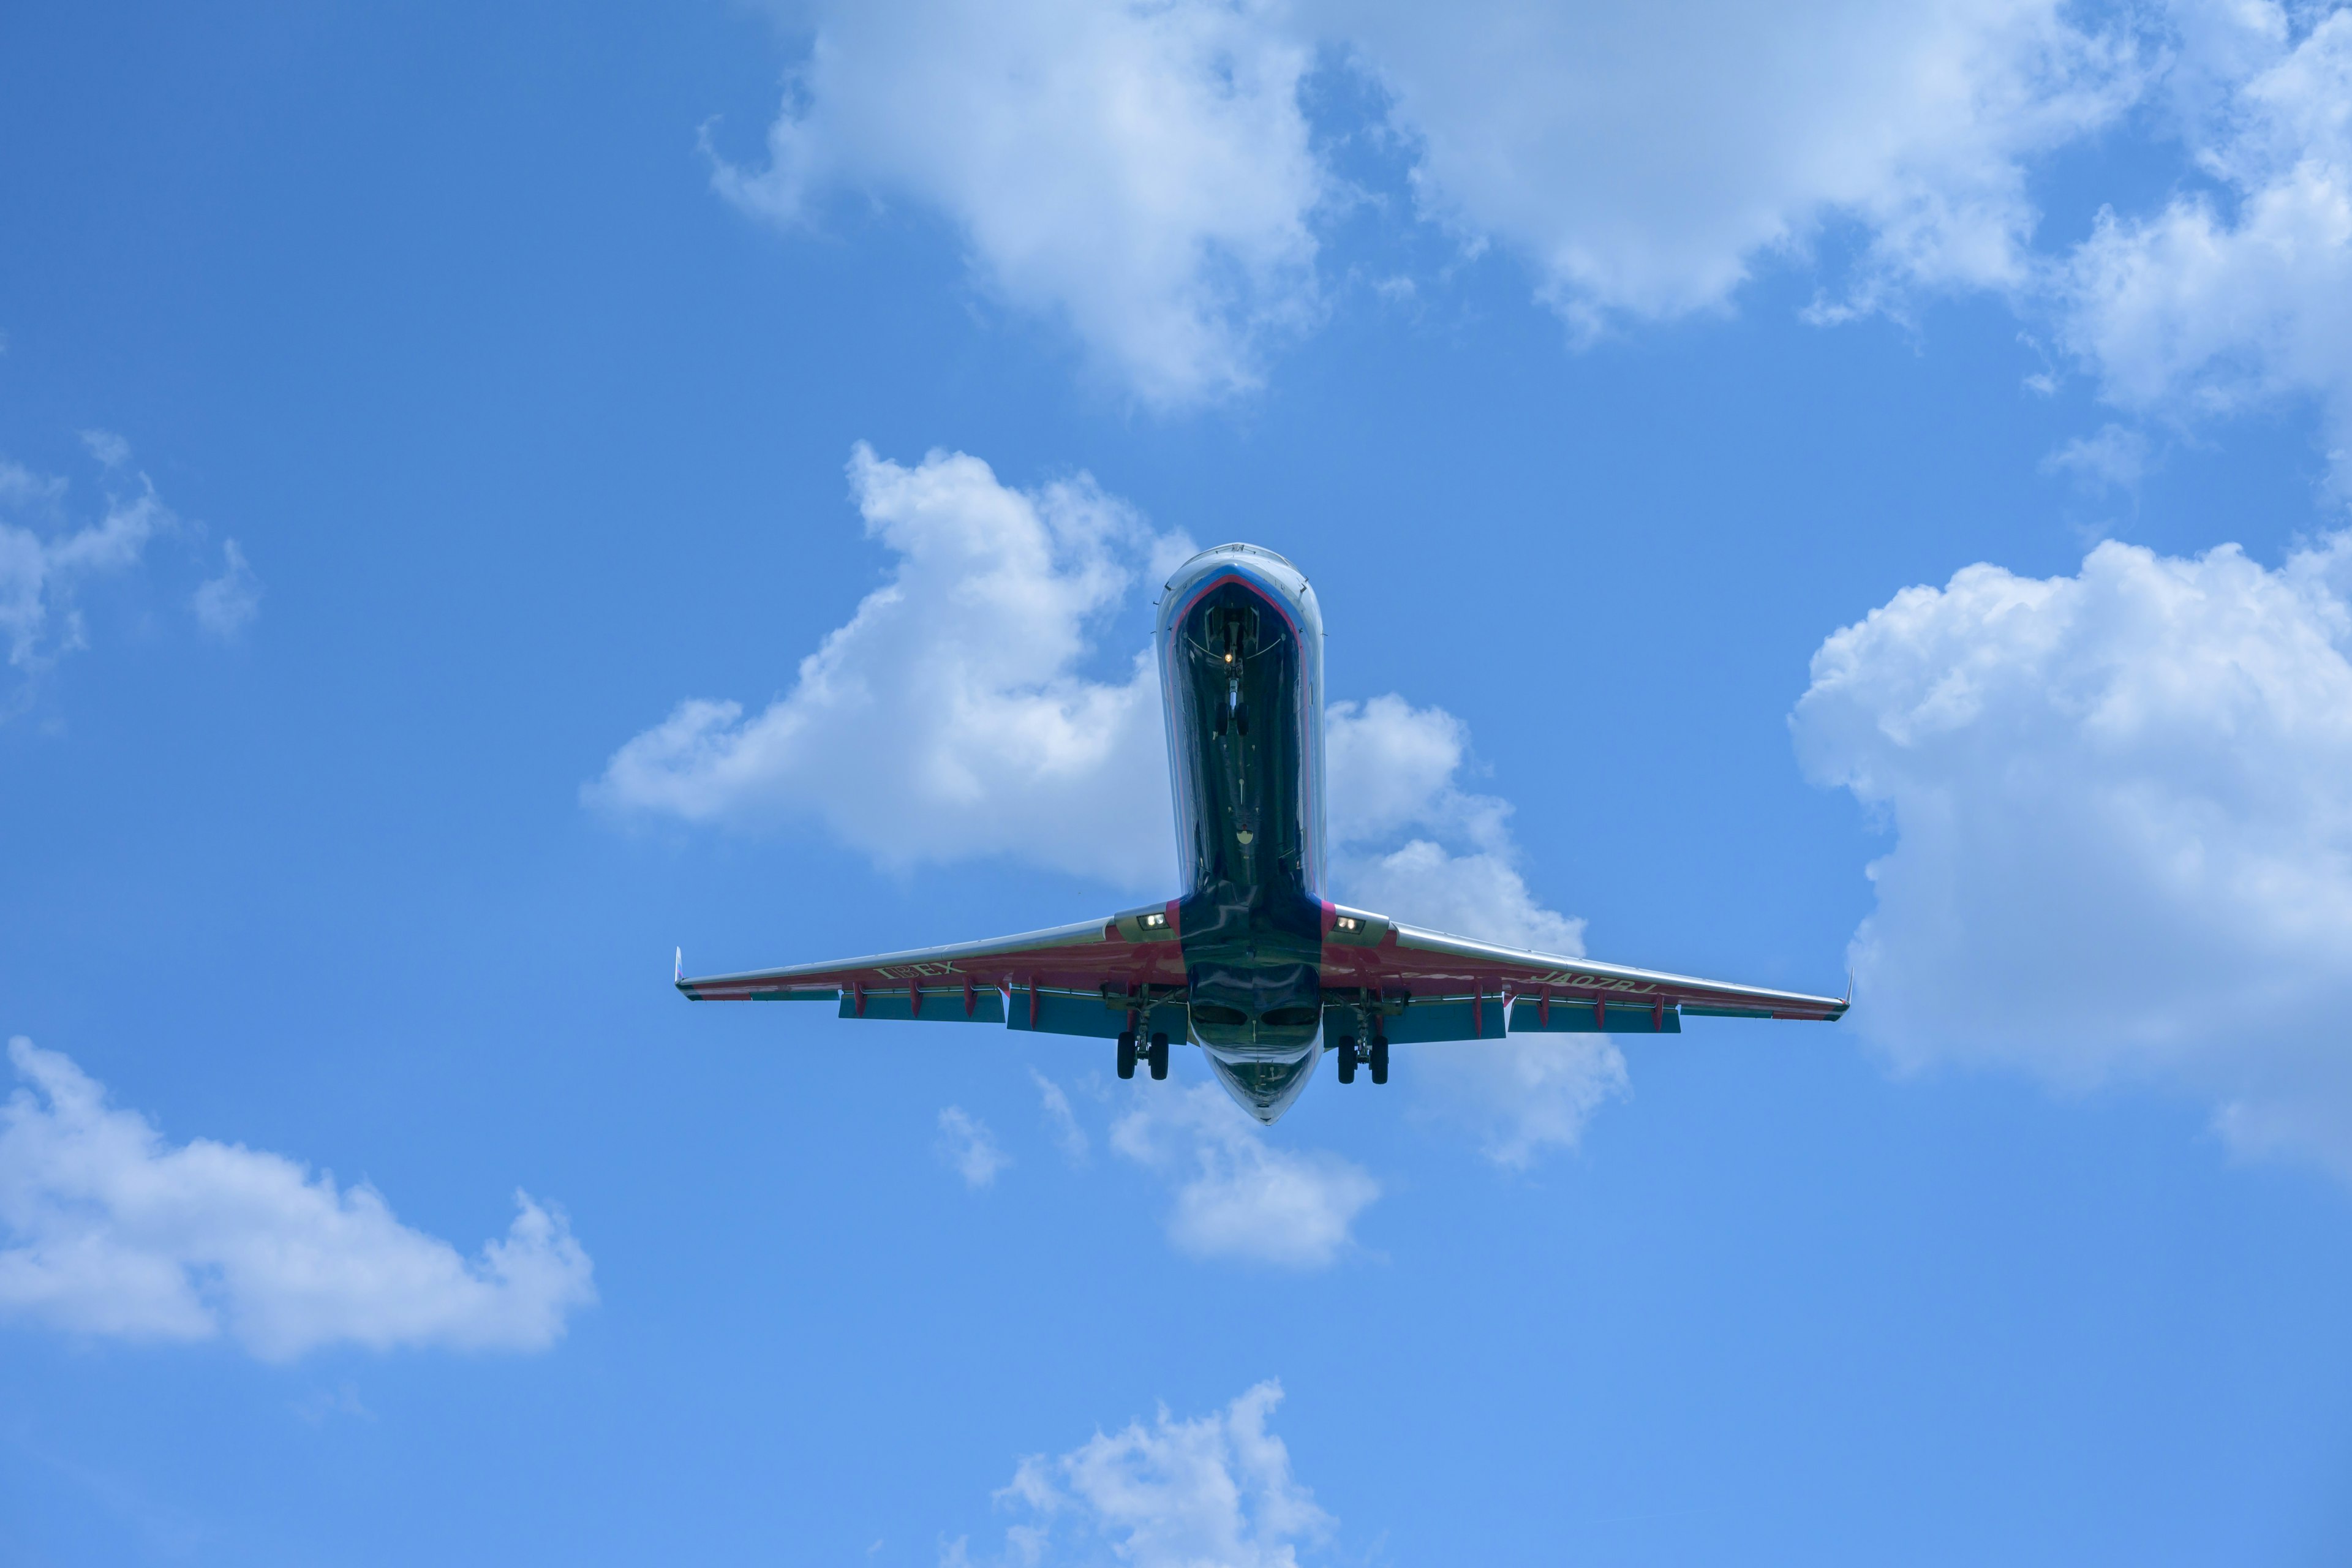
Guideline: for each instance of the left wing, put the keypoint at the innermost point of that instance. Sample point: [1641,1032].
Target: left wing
[1082,979]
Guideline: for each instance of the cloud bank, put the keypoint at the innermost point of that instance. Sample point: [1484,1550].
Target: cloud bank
[2123,836]
[1150,176]
[109,1230]
[1216,1488]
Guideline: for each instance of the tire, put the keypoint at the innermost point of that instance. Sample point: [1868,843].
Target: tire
[1159,1056]
[1127,1054]
[1347,1059]
[1380,1058]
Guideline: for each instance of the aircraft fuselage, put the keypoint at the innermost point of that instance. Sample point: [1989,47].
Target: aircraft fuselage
[1240,640]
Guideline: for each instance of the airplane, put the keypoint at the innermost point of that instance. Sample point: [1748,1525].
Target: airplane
[1251,961]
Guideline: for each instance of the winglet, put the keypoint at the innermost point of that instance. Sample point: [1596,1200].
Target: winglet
[677,968]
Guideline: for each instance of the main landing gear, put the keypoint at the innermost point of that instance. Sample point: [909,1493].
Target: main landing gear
[1155,1055]
[1377,1058]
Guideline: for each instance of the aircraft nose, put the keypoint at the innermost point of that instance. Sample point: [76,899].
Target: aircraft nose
[1265,1089]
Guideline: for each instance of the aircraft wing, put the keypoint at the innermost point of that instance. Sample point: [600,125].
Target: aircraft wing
[1081,979]
[1426,985]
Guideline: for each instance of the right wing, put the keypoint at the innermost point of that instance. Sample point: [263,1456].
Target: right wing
[1081,979]
[1431,986]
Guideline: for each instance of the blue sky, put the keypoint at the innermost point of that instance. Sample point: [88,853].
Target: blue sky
[1771,484]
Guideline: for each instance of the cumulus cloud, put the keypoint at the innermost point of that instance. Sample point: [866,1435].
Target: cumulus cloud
[1413,844]
[2123,838]
[1147,174]
[225,605]
[1643,161]
[2242,294]
[969,1149]
[950,717]
[1238,1193]
[111,1230]
[1138,171]
[1216,1488]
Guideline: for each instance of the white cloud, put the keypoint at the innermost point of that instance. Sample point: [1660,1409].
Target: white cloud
[111,1231]
[2116,459]
[1067,1133]
[1146,173]
[110,450]
[225,605]
[1217,1490]
[1644,159]
[2124,839]
[1238,1193]
[43,562]
[949,718]
[2210,305]
[1395,772]
[969,1149]
[1140,171]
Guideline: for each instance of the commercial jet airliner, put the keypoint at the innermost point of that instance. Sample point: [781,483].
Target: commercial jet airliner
[1251,961]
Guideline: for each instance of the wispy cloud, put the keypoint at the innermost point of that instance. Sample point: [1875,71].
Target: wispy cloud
[968,1148]
[1060,1119]
[225,605]
[44,560]
[2114,459]
[109,1230]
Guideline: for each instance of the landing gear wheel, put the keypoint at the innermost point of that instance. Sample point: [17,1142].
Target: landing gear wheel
[1127,1054]
[1159,1056]
[1347,1059]
[1380,1058]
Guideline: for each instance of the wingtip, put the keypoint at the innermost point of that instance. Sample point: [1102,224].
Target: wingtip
[677,967]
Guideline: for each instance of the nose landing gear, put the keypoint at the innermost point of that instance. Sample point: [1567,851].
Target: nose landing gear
[1159,1056]
[1127,1053]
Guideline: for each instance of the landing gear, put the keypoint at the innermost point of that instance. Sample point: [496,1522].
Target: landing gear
[1380,1058]
[1158,1056]
[1127,1054]
[1346,1058]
